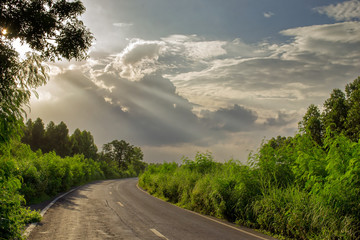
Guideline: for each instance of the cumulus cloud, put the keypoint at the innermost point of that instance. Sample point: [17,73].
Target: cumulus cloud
[142,57]
[301,71]
[348,10]
[137,59]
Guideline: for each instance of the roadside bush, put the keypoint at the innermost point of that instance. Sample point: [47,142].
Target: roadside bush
[319,199]
[45,175]
[13,213]
[222,190]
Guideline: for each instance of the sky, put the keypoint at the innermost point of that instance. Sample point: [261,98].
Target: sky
[177,77]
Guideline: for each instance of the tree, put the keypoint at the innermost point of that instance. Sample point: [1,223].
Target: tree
[119,152]
[56,138]
[49,27]
[311,124]
[17,79]
[50,134]
[82,142]
[136,160]
[37,135]
[34,134]
[61,137]
[352,123]
[335,111]
[27,129]
[123,155]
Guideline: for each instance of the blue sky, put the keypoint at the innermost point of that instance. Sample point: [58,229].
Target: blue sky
[177,77]
[213,19]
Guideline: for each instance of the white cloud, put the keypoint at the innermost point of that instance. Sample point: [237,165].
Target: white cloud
[194,48]
[347,10]
[300,71]
[137,59]
[178,38]
[138,50]
[141,57]
[268,14]
[346,32]
[205,50]
[332,43]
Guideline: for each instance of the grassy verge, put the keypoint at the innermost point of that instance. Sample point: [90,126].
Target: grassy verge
[277,198]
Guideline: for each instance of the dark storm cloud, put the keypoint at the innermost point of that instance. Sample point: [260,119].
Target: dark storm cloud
[282,119]
[234,119]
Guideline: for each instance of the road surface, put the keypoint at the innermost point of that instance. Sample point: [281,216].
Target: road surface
[118,209]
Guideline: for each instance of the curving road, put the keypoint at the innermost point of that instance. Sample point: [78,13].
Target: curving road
[117,209]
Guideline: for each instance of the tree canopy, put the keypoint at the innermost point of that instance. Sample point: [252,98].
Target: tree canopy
[341,114]
[312,124]
[56,138]
[52,29]
[123,155]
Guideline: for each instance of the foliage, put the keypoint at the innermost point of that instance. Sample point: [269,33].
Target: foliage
[56,138]
[117,158]
[13,214]
[352,126]
[45,175]
[123,156]
[82,142]
[28,177]
[203,185]
[312,124]
[314,195]
[335,111]
[17,79]
[301,187]
[51,29]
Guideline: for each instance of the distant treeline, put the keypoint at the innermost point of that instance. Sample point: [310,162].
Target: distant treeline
[115,156]
[49,161]
[301,187]
[56,138]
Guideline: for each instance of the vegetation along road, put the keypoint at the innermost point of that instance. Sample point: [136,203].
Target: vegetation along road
[117,209]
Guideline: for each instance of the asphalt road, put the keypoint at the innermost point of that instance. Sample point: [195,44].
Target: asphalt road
[117,209]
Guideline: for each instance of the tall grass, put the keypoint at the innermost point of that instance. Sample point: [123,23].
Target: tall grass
[292,188]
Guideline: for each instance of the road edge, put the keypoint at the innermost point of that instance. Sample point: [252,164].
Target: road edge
[28,230]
